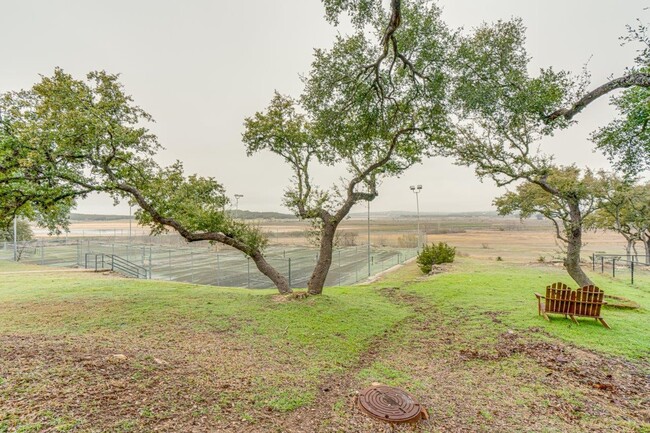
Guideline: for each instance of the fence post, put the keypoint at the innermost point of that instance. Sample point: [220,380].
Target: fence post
[613,267]
[632,271]
[218,270]
[339,269]
[602,264]
[192,266]
[149,262]
[593,262]
[248,272]
[289,272]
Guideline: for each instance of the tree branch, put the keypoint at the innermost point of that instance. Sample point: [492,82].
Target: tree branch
[634,79]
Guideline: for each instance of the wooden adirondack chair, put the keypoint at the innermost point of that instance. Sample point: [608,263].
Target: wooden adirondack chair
[557,300]
[587,302]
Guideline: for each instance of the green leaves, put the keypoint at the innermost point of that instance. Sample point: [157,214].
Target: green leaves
[65,138]
[196,203]
[553,195]
[360,12]
[626,140]
[378,117]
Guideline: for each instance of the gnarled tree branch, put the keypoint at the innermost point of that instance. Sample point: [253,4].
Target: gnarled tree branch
[640,79]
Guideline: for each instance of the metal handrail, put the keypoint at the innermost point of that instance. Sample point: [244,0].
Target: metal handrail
[126,266]
[118,263]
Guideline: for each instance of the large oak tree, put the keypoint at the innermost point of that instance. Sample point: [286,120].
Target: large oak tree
[504,114]
[375,118]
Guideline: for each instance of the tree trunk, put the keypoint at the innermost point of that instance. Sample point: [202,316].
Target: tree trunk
[628,247]
[317,279]
[574,246]
[278,279]
[646,244]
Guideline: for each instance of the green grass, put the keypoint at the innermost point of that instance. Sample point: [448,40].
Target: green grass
[478,291]
[250,356]
[295,343]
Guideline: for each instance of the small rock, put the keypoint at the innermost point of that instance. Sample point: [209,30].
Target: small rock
[120,357]
[160,361]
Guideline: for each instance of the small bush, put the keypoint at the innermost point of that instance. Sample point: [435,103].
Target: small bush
[499,259]
[541,259]
[434,255]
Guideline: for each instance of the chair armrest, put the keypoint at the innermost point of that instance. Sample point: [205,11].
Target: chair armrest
[539,296]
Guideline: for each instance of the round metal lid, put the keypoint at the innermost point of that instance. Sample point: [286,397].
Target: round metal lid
[389,404]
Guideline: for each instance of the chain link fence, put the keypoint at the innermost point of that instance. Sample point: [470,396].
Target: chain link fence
[209,264]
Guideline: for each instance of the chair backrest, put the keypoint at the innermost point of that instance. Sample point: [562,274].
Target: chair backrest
[558,298]
[588,301]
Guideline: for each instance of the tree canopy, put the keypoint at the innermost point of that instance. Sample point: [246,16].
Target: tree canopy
[626,140]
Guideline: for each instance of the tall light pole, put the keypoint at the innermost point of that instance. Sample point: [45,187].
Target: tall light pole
[368,238]
[416,190]
[237,197]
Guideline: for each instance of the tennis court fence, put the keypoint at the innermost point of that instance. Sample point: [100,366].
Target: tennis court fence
[204,263]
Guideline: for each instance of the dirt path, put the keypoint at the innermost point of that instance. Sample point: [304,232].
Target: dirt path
[336,395]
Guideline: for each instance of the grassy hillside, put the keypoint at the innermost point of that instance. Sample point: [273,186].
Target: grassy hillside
[94,353]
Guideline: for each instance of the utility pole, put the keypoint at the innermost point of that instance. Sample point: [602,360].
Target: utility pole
[237,197]
[368,238]
[417,190]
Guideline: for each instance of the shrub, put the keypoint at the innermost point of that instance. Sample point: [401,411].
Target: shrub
[434,255]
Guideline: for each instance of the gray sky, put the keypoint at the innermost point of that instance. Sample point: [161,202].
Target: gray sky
[201,66]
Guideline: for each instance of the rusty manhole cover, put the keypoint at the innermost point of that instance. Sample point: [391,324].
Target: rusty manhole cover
[390,404]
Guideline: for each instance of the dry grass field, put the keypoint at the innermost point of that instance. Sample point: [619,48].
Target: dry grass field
[480,237]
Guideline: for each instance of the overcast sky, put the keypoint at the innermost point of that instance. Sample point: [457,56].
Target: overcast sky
[201,66]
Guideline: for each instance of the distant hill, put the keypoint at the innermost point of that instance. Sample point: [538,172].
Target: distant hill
[240,214]
[252,215]
[96,217]
[411,214]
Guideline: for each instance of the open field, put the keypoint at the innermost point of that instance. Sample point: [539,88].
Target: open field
[94,353]
[495,235]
